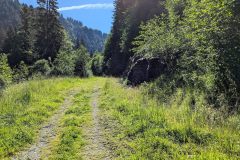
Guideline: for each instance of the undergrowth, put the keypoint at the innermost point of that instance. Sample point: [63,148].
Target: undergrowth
[136,125]
[183,128]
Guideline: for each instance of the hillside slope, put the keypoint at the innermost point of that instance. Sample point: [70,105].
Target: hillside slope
[9,16]
[93,39]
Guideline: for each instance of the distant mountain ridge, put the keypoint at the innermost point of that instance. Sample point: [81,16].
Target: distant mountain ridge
[93,39]
[10,18]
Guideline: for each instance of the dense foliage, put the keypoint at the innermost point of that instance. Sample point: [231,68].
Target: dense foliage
[19,42]
[82,65]
[40,46]
[29,34]
[41,67]
[5,71]
[97,64]
[21,72]
[127,19]
[49,32]
[9,17]
[39,36]
[197,40]
[71,60]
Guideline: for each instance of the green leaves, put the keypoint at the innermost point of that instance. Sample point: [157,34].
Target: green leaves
[199,42]
[5,71]
[157,39]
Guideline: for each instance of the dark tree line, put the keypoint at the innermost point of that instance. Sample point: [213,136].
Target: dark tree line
[9,17]
[127,19]
[39,36]
[40,46]
[49,32]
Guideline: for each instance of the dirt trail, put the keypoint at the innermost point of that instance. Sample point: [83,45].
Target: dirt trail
[46,133]
[95,148]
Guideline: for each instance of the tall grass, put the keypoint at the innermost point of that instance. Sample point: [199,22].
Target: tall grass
[136,126]
[24,107]
[183,128]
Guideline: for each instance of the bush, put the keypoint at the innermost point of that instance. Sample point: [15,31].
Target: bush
[21,73]
[69,63]
[5,71]
[97,65]
[199,48]
[41,67]
[64,64]
[82,67]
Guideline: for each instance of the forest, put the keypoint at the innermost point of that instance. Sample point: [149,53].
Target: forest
[163,84]
[196,44]
[41,46]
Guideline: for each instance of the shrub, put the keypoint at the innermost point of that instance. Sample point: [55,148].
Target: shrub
[69,63]
[64,64]
[199,48]
[5,71]
[82,62]
[21,73]
[41,67]
[97,65]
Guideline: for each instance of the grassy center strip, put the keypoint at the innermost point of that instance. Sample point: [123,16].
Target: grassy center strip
[70,140]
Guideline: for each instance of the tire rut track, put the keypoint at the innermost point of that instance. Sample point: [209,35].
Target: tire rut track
[96,144]
[47,133]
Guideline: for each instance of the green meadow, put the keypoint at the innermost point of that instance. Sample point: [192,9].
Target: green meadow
[133,125]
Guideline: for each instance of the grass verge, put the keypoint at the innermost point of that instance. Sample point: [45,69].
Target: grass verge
[142,128]
[24,107]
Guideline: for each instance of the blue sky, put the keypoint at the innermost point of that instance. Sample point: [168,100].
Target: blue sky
[96,14]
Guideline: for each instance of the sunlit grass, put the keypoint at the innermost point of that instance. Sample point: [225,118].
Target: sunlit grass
[177,130]
[137,126]
[24,107]
[68,143]
[70,140]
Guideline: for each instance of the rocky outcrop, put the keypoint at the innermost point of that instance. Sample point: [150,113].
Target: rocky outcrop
[145,70]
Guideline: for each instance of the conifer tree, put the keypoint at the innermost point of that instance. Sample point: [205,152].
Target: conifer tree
[127,19]
[25,34]
[18,44]
[112,56]
[49,35]
[40,25]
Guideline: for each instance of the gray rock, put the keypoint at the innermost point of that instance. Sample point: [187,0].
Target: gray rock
[145,70]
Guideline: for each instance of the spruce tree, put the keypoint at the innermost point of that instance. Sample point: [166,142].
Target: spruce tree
[55,29]
[114,61]
[127,19]
[49,35]
[40,24]
[25,34]
[18,44]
